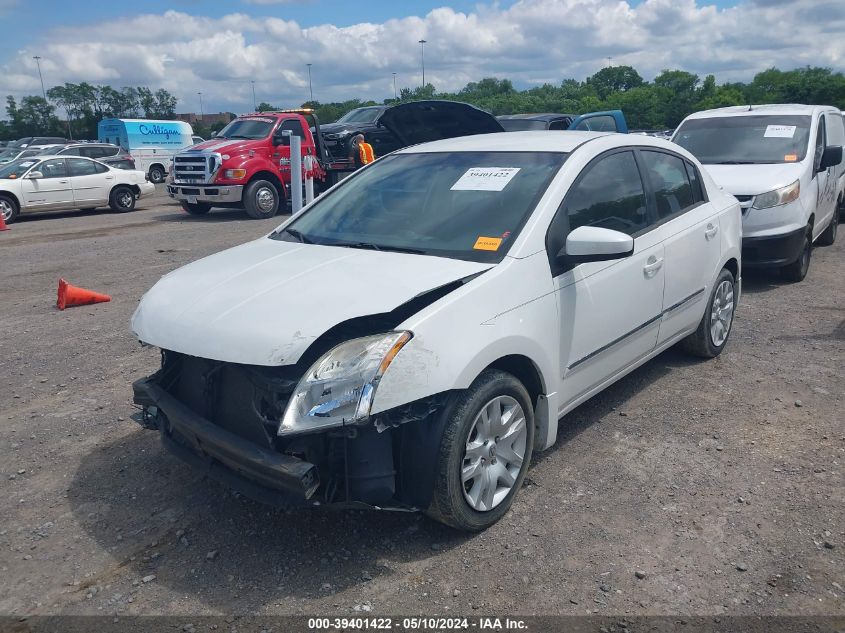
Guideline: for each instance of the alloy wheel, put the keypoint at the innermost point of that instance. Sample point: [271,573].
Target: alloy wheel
[722,312]
[6,209]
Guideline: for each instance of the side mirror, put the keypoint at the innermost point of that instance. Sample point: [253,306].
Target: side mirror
[281,139]
[34,175]
[595,244]
[831,157]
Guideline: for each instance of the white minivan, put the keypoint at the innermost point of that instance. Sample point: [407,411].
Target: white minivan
[784,165]
[410,337]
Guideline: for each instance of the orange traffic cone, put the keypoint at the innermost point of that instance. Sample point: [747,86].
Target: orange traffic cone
[3,226]
[72,296]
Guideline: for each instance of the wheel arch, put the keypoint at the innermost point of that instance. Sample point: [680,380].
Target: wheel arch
[271,177]
[14,198]
[732,265]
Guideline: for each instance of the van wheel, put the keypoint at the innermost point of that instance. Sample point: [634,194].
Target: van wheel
[196,208]
[156,174]
[9,209]
[122,199]
[710,338]
[828,237]
[484,453]
[797,270]
[261,199]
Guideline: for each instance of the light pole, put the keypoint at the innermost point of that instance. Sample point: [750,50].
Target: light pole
[394,87]
[37,59]
[310,88]
[422,60]
[254,102]
[202,115]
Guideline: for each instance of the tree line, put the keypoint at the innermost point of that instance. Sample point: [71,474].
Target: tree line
[658,104]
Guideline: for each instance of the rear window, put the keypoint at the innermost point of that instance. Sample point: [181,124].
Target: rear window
[747,139]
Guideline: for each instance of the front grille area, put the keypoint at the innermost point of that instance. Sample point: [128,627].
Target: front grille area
[195,167]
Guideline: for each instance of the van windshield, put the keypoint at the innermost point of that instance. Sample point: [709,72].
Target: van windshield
[252,128]
[465,205]
[747,139]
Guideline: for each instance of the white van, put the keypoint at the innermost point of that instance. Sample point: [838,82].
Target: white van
[151,143]
[784,165]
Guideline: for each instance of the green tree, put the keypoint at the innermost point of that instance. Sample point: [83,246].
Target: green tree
[614,79]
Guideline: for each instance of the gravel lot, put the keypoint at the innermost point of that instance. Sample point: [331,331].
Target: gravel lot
[686,488]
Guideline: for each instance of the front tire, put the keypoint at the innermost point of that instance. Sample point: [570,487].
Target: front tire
[9,209]
[122,199]
[828,236]
[710,338]
[156,174]
[261,199]
[484,453]
[196,208]
[797,270]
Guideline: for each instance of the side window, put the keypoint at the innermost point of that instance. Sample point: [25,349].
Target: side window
[560,124]
[88,152]
[609,195]
[71,151]
[53,168]
[668,176]
[695,183]
[820,143]
[603,123]
[81,167]
[294,126]
[101,169]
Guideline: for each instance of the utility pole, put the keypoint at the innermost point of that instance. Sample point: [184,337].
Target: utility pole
[310,88]
[202,115]
[37,59]
[394,87]
[254,102]
[422,60]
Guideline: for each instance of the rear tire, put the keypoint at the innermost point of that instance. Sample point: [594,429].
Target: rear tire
[9,209]
[467,467]
[797,270]
[261,199]
[828,236]
[122,199]
[156,174]
[713,331]
[196,208]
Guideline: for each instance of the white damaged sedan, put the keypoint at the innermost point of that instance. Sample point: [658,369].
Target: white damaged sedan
[411,337]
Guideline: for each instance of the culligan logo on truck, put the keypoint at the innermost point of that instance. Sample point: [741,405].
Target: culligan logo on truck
[157,130]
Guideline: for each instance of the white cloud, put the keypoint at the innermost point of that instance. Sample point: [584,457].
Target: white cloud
[532,41]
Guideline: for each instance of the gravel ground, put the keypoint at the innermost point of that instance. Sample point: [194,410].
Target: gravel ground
[686,488]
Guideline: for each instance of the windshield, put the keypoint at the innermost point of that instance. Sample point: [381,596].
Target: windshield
[466,205]
[748,139]
[16,168]
[9,154]
[360,115]
[252,128]
[520,125]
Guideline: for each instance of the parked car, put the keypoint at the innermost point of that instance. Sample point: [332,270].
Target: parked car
[609,121]
[411,336]
[784,165]
[42,183]
[247,165]
[197,139]
[107,153]
[338,135]
[40,141]
[14,153]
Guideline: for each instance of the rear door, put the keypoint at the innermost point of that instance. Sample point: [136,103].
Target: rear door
[52,191]
[689,228]
[609,121]
[824,181]
[91,181]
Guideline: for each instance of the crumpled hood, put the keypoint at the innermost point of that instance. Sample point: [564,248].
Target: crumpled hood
[750,180]
[265,302]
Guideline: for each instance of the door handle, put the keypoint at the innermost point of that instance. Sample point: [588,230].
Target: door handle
[109,177]
[710,232]
[63,182]
[653,264]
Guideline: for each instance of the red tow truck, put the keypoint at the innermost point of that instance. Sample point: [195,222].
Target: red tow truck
[247,164]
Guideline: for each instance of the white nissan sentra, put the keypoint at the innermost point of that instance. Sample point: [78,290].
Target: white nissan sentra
[410,338]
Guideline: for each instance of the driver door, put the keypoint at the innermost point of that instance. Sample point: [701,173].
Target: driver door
[53,190]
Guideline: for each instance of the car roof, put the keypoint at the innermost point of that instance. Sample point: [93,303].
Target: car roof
[542,116]
[535,141]
[763,109]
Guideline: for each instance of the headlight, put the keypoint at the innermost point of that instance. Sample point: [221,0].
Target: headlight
[778,196]
[338,389]
[234,174]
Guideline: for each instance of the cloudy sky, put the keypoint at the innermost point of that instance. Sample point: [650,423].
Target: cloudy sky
[220,46]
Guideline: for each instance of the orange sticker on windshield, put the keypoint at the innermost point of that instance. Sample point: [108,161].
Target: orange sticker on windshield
[487,243]
[790,158]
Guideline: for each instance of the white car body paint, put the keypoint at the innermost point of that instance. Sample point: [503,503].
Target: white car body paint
[581,330]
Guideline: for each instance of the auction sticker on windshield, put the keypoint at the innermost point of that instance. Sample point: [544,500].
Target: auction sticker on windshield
[487,243]
[485,179]
[779,131]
